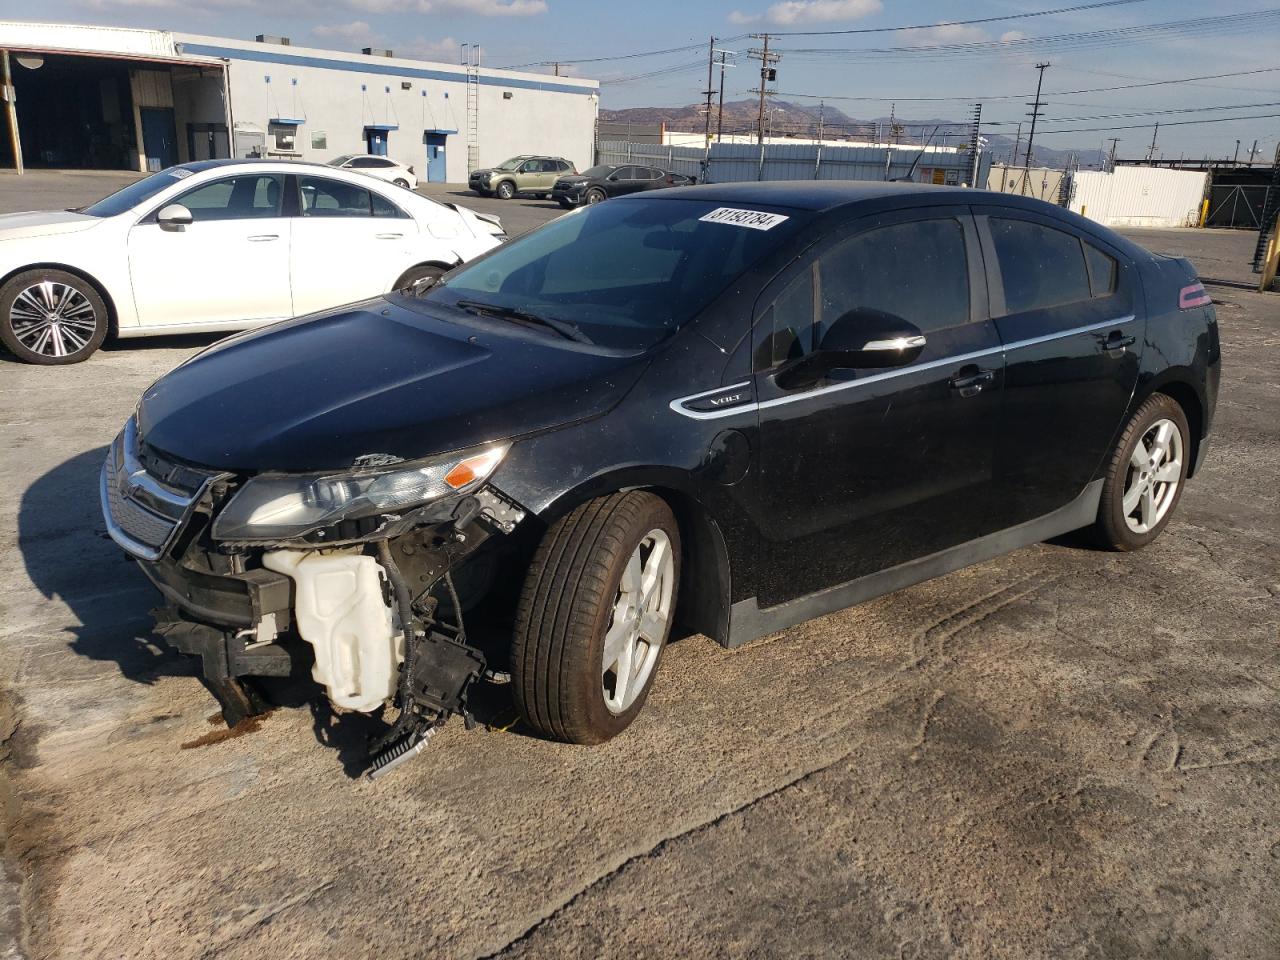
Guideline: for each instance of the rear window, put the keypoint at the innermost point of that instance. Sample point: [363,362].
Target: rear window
[627,273]
[134,194]
[1040,267]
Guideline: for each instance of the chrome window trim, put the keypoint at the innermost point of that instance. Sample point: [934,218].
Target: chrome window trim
[678,405]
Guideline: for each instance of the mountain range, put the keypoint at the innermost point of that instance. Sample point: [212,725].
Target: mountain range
[786,118]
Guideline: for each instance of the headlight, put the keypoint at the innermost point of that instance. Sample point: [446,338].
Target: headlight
[290,507]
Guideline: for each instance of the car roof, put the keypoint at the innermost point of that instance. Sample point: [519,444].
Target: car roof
[821,195]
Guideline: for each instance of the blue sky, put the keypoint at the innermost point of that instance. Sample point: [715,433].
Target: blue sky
[523,31]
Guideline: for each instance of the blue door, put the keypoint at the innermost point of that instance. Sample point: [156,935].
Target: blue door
[159,138]
[435,158]
[376,141]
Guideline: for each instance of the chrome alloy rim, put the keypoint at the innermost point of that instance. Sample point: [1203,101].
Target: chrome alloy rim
[53,319]
[641,611]
[1154,472]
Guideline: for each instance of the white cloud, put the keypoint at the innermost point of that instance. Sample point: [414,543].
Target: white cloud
[1012,35]
[480,8]
[811,11]
[446,50]
[357,31]
[943,33]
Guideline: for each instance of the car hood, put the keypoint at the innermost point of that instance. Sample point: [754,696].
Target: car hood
[43,223]
[377,377]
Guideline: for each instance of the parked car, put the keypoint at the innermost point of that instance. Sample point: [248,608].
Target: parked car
[384,168]
[520,175]
[219,245]
[722,409]
[612,180]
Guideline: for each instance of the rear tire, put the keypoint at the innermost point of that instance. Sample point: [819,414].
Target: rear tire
[1145,476]
[401,182]
[51,317]
[601,587]
[506,190]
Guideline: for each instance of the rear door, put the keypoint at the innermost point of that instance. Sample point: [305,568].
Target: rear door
[1067,307]
[349,243]
[872,468]
[230,264]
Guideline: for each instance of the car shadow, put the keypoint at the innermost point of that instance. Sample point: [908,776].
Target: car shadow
[69,558]
[175,341]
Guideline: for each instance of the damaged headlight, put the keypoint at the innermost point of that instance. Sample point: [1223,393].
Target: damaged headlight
[288,507]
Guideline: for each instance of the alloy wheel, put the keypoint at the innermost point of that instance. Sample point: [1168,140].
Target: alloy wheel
[1154,473]
[53,319]
[638,626]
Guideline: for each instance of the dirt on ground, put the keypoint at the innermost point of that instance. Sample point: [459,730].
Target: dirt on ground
[1059,753]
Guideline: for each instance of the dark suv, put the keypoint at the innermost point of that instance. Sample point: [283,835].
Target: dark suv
[722,409]
[528,175]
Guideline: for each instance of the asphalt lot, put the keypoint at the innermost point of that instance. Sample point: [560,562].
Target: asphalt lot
[1059,753]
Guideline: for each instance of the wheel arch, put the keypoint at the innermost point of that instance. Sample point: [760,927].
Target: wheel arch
[1179,384]
[704,548]
[113,315]
[435,262]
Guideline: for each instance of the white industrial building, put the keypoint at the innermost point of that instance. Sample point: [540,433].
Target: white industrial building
[114,98]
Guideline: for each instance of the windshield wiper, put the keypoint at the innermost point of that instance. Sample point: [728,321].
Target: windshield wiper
[569,331]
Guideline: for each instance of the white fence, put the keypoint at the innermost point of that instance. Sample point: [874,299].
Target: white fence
[1139,196]
[733,162]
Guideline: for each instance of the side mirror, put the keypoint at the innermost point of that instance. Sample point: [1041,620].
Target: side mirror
[859,339]
[174,216]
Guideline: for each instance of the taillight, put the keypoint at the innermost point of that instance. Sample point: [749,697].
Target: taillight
[1193,296]
[671,181]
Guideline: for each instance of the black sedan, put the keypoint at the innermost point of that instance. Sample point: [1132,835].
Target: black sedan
[608,180]
[720,409]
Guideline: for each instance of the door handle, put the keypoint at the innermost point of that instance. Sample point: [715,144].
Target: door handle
[1115,340]
[970,384]
[389,236]
[262,237]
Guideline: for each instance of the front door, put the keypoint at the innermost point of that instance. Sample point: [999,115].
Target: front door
[436,170]
[159,138]
[869,469]
[231,264]
[1065,305]
[376,141]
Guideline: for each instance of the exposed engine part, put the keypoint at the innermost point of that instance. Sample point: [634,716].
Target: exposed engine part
[504,514]
[339,608]
[402,752]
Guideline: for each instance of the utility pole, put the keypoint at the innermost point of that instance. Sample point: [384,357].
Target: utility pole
[1253,151]
[1152,151]
[1112,164]
[710,91]
[1236,158]
[557,67]
[822,105]
[1031,136]
[767,74]
[720,111]
[1017,142]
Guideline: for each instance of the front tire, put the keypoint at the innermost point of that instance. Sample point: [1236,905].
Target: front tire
[596,195]
[51,317]
[401,182]
[594,617]
[1145,475]
[506,190]
[417,280]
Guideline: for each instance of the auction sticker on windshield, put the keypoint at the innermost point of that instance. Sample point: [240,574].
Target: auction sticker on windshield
[754,219]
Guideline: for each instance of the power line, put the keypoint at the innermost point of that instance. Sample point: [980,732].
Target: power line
[1019,96]
[959,23]
[1174,123]
[1146,113]
[1199,27]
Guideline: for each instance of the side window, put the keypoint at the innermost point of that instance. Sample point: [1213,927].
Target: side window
[548,166]
[362,163]
[563,166]
[235,198]
[1040,267]
[380,162]
[530,166]
[917,270]
[1102,271]
[333,198]
[382,207]
[788,323]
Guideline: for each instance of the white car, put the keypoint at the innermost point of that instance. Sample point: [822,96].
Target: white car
[219,245]
[384,168]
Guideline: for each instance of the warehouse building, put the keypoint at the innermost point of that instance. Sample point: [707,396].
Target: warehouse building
[114,98]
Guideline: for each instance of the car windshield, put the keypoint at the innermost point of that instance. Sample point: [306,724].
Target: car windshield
[597,172]
[339,161]
[626,273]
[134,194]
[511,164]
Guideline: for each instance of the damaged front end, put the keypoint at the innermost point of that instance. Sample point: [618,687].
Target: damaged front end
[352,572]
